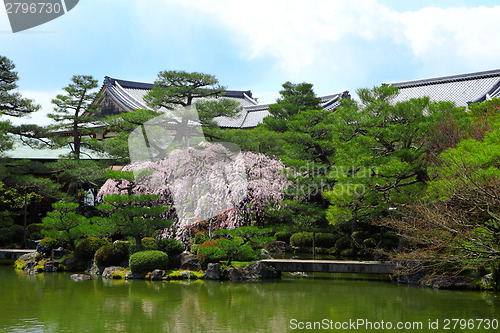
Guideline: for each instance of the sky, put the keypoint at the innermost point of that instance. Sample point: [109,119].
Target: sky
[258,45]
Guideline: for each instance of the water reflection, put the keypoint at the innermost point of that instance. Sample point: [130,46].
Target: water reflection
[56,303]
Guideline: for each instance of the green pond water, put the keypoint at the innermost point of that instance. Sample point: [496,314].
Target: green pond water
[55,303]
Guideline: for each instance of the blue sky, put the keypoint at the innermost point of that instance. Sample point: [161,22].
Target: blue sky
[258,45]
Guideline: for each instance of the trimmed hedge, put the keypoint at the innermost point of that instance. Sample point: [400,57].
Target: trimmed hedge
[149,243]
[34,231]
[283,236]
[111,254]
[208,252]
[87,248]
[50,244]
[171,246]
[322,239]
[342,243]
[302,239]
[147,261]
[326,240]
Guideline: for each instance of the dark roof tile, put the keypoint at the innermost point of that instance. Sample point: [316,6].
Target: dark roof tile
[461,89]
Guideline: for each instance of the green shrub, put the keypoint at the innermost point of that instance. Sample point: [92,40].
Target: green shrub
[34,231]
[111,254]
[147,261]
[149,243]
[326,239]
[50,244]
[87,248]
[232,250]
[283,236]
[301,239]
[171,246]
[370,243]
[341,244]
[209,252]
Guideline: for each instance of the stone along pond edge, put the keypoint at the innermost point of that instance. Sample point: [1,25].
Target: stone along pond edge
[189,269]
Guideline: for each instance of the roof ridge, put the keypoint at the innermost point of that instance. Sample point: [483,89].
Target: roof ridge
[123,91]
[145,85]
[446,79]
[250,99]
[131,84]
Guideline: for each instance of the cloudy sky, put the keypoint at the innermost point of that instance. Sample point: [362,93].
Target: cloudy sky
[256,45]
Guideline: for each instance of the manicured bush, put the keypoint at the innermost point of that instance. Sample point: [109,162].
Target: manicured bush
[149,243]
[50,244]
[341,244]
[233,250]
[111,254]
[370,243]
[147,261]
[34,231]
[301,239]
[209,252]
[87,248]
[171,246]
[325,239]
[283,236]
[322,239]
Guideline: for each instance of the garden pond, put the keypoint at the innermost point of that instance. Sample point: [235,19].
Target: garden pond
[55,303]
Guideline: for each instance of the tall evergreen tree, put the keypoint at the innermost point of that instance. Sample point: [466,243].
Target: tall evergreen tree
[75,114]
[307,133]
[295,98]
[12,103]
[380,155]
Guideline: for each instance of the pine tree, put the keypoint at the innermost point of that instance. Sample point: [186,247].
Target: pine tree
[180,89]
[12,103]
[76,114]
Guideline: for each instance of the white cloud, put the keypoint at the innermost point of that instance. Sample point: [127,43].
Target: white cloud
[44,99]
[346,36]
[295,32]
[454,34]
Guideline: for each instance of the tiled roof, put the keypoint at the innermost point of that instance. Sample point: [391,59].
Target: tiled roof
[130,96]
[332,102]
[253,115]
[461,89]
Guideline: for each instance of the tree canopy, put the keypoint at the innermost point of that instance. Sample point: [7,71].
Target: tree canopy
[12,103]
[180,89]
[75,113]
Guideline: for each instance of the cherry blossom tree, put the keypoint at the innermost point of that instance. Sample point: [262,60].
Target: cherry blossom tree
[211,170]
